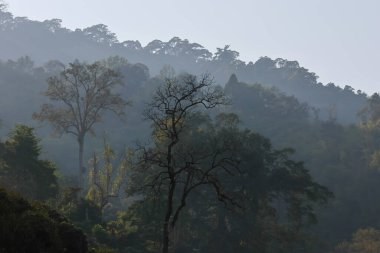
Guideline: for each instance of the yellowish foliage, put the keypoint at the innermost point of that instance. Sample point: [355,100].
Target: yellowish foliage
[363,241]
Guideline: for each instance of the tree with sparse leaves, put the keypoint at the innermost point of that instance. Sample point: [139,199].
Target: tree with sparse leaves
[105,179]
[177,170]
[80,96]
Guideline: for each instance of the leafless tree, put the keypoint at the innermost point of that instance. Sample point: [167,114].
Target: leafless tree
[80,95]
[177,167]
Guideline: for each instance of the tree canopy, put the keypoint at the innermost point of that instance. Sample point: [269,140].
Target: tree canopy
[81,95]
[26,227]
[21,168]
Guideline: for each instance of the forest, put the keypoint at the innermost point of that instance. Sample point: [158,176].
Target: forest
[109,146]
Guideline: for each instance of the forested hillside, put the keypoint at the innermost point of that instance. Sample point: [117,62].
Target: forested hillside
[48,40]
[180,149]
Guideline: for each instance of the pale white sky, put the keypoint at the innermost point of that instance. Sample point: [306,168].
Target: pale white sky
[337,39]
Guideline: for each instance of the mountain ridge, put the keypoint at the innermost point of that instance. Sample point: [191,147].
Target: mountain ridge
[48,40]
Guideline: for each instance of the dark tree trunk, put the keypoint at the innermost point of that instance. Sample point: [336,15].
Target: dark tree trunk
[81,168]
[169,211]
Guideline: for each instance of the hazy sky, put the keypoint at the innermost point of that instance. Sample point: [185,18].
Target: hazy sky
[337,39]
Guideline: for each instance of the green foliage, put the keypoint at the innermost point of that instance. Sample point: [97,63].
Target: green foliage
[176,170]
[22,170]
[26,227]
[80,211]
[123,234]
[277,195]
[344,158]
[97,41]
[370,126]
[105,181]
[371,112]
[139,227]
[104,250]
[268,110]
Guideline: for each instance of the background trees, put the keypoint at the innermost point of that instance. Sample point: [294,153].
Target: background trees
[342,157]
[273,197]
[21,168]
[81,94]
[196,162]
[2,5]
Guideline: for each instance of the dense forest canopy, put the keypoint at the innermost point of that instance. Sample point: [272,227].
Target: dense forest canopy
[48,40]
[212,154]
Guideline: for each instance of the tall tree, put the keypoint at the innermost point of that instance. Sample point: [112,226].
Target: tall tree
[278,196]
[177,170]
[80,96]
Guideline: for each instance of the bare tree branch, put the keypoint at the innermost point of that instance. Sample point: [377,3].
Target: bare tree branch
[175,168]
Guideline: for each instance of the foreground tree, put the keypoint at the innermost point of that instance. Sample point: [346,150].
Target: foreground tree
[277,195]
[81,95]
[177,171]
[34,227]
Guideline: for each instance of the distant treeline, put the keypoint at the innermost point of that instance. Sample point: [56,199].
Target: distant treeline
[48,40]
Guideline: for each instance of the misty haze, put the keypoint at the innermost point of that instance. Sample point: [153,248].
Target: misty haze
[167,145]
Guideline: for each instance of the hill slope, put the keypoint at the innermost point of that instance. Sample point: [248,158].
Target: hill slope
[48,40]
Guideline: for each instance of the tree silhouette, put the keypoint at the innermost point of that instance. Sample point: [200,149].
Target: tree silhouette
[80,95]
[178,170]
